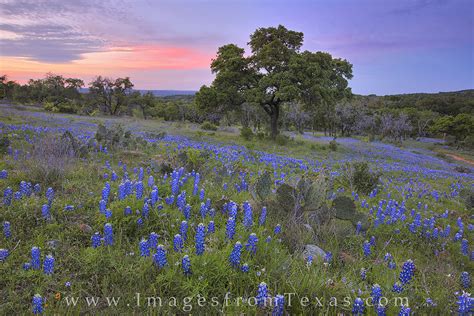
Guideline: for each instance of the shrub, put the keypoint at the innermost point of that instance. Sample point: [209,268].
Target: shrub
[4,144]
[282,140]
[50,160]
[333,145]
[246,133]
[208,126]
[359,178]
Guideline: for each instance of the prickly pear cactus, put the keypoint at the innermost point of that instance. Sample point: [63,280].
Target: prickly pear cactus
[344,208]
[286,197]
[263,186]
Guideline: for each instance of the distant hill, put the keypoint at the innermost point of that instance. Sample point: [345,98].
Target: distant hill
[157,93]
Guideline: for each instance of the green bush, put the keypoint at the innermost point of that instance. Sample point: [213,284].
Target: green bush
[359,178]
[282,140]
[208,126]
[246,133]
[333,145]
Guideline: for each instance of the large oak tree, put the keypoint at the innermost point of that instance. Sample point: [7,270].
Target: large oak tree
[274,73]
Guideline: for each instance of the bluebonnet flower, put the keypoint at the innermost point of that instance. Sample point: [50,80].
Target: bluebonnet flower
[408,269]
[3,174]
[145,210]
[397,287]
[201,195]
[35,258]
[262,294]
[48,264]
[151,181]
[3,254]
[376,294]
[358,227]
[366,248]
[465,279]
[211,228]
[7,229]
[196,184]
[234,257]
[245,268]
[248,215]
[178,243]
[154,196]
[358,307]
[405,311]
[372,241]
[464,247]
[230,228]
[153,240]
[50,195]
[140,222]
[187,212]
[277,229]
[252,243]
[169,200]
[139,190]
[328,257]
[263,216]
[69,208]
[127,210]
[279,305]
[106,192]
[26,266]
[108,235]
[387,257]
[96,240]
[144,248]
[183,230]
[7,196]
[203,210]
[186,264]
[159,258]
[363,273]
[102,206]
[465,304]
[392,265]
[268,239]
[200,234]
[37,304]
[181,200]
[380,310]
[17,195]
[37,188]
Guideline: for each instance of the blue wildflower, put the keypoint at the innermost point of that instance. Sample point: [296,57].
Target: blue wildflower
[3,254]
[465,279]
[159,258]
[108,235]
[7,229]
[262,294]
[211,228]
[153,240]
[96,240]
[230,228]
[263,216]
[397,287]
[277,229]
[183,230]
[234,257]
[186,264]
[279,305]
[245,268]
[248,215]
[37,304]
[144,248]
[200,234]
[376,294]
[366,248]
[408,270]
[464,247]
[178,243]
[465,304]
[35,258]
[358,307]
[48,264]
[251,245]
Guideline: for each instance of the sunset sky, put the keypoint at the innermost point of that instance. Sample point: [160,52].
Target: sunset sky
[395,46]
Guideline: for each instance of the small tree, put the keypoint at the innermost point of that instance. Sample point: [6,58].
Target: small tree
[111,94]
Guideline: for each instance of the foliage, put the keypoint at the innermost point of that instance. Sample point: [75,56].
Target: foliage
[358,176]
[208,126]
[282,140]
[275,73]
[246,133]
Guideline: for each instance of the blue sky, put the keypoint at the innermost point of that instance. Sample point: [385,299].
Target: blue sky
[395,46]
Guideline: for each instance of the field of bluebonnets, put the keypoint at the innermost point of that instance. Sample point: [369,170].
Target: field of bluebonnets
[154,217]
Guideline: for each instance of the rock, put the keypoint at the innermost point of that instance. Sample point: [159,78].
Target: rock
[313,250]
[52,244]
[85,228]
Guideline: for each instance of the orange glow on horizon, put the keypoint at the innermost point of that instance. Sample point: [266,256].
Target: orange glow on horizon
[115,61]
